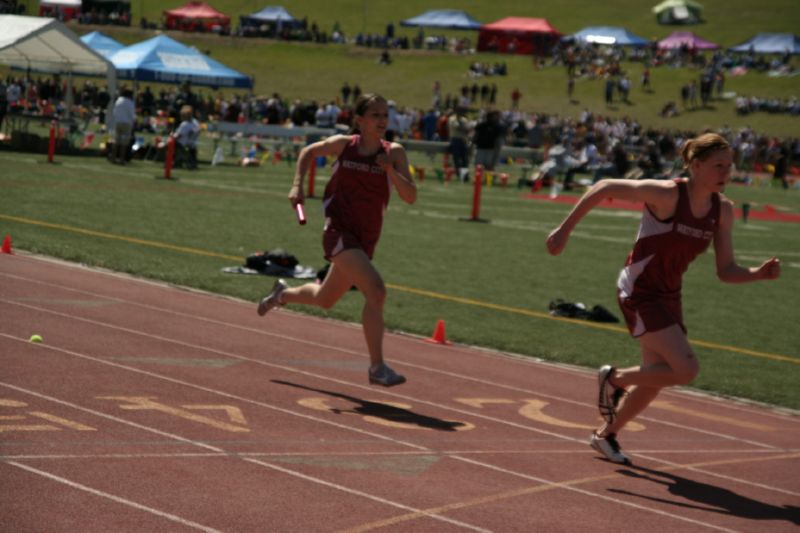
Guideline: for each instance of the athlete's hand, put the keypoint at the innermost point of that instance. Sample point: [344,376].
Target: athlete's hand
[769,269]
[383,160]
[296,195]
[557,240]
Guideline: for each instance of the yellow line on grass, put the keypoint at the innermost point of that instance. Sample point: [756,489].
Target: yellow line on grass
[104,235]
[411,290]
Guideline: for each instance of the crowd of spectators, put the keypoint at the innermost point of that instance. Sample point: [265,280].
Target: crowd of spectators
[753,104]
[114,17]
[478,69]
[591,143]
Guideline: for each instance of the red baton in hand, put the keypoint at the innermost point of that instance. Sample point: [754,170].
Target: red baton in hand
[301,214]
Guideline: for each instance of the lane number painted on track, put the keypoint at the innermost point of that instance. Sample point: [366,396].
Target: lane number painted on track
[388,414]
[148,403]
[24,422]
[534,409]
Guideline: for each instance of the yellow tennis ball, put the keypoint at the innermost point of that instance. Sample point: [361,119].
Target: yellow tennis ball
[36,338]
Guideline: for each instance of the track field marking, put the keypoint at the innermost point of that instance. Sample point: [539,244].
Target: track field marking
[106,495]
[416,513]
[478,463]
[5,402]
[735,404]
[669,406]
[563,484]
[329,379]
[575,371]
[394,413]
[271,466]
[401,288]
[62,421]
[534,409]
[143,403]
[351,352]
[201,455]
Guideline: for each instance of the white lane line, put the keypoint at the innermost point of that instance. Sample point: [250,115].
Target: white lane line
[409,453]
[123,501]
[566,486]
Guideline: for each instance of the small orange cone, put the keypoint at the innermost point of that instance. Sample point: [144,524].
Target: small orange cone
[7,245]
[439,335]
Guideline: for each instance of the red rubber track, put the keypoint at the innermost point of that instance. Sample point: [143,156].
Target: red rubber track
[154,408]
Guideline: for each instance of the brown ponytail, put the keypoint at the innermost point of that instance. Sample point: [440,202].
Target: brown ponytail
[701,147]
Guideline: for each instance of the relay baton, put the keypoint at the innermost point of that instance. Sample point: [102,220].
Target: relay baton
[301,214]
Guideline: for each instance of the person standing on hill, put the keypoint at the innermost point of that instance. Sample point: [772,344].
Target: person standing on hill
[355,201]
[680,219]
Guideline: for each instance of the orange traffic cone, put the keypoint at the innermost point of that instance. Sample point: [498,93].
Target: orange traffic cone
[439,335]
[7,245]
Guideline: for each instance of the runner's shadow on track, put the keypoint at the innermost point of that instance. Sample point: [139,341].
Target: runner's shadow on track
[382,410]
[709,497]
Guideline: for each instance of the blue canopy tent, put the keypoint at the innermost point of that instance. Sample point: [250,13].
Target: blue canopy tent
[102,43]
[269,15]
[165,60]
[771,43]
[610,35]
[443,18]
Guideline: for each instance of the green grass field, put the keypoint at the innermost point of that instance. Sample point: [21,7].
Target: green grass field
[491,282]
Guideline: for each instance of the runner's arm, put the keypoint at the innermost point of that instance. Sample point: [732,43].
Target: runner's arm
[396,165]
[728,270]
[331,146]
[660,195]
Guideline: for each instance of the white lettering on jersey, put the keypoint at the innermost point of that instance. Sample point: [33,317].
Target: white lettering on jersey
[694,232]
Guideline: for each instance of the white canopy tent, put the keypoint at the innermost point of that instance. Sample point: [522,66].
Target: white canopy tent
[47,45]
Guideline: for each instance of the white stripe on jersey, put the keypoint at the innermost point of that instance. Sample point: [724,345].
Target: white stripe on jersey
[629,275]
[650,225]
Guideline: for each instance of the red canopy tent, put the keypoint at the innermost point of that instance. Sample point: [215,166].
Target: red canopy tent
[197,16]
[517,35]
[63,10]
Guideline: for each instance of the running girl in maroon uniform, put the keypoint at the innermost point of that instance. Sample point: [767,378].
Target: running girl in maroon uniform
[355,200]
[680,219]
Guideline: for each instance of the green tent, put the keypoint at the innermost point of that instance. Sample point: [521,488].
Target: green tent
[678,12]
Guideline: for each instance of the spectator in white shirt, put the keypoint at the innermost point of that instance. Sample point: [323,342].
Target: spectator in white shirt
[123,117]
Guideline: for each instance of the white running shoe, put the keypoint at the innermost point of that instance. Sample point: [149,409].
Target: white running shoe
[609,395]
[609,447]
[273,299]
[385,376]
